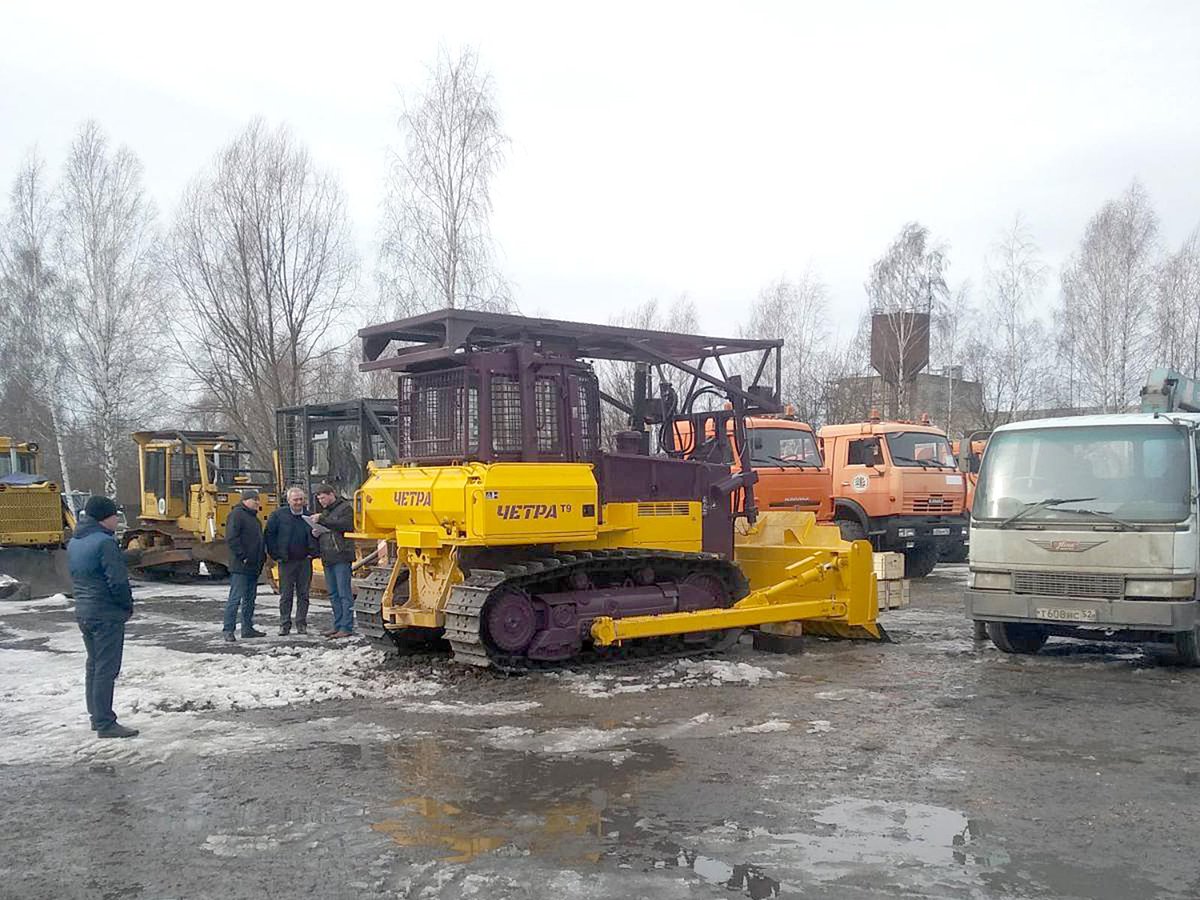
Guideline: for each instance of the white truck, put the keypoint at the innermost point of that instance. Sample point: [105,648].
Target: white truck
[1089,527]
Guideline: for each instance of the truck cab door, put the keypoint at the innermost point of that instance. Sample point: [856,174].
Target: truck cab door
[863,468]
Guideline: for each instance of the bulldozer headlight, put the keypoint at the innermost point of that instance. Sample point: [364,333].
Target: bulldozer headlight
[222,498]
[991,581]
[907,532]
[1160,587]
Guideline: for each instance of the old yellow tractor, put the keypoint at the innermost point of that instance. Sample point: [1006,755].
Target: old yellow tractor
[524,543]
[34,526]
[190,480]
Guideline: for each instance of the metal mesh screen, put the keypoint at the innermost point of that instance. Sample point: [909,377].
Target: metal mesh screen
[506,414]
[291,450]
[588,414]
[432,412]
[545,404]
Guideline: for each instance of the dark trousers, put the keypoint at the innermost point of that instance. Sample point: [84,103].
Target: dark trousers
[105,643]
[243,589]
[295,578]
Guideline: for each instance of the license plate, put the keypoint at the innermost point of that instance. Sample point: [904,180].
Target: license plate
[1057,614]
[938,532]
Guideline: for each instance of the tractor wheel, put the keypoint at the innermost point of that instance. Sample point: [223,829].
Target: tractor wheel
[851,530]
[1187,645]
[919,561]
[1016,637]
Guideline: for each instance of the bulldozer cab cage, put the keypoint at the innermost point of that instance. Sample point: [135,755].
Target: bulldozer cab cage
[173,462]
[488,387]
[334,442]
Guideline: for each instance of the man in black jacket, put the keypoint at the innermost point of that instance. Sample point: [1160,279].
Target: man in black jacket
[103,604]
[337,553]
[247,553]
[291,544]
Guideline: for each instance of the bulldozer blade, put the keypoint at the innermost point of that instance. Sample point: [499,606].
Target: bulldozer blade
[37,573]
[843,632]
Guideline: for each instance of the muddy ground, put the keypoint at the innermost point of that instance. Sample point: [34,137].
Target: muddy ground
[931,767]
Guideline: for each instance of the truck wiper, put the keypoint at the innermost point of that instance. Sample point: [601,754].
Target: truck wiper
[923,463]
[798,463]
[1101,514]
[1042,504]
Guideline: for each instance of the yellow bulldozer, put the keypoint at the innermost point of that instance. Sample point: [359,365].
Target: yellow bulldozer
[523,543]
[190,480]
[34,525]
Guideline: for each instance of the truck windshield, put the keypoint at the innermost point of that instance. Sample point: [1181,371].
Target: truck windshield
[783,447]
[1136,473]
[913,448]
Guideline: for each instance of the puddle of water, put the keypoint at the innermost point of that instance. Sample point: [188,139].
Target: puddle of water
[569,809]
[857,832]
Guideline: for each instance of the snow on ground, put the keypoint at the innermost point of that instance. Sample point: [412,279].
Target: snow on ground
[15,607]
[42,712]
[681,674]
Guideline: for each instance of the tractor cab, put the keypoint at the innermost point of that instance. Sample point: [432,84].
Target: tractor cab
[19,458]
[190,481]
[334,443]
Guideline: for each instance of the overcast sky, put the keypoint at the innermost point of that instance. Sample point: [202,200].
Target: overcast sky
[663,148]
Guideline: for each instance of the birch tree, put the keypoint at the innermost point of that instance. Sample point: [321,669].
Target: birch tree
[436,248]
[1108,290]
[797,312]
[32,313]
[905,285]
[263,263]
[113,324]
[1177,308]
[1014,355]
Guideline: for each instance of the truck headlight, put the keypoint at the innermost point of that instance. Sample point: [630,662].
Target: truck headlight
[906,532]
[1160,587]
[991,581]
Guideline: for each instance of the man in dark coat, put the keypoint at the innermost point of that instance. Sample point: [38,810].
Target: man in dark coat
[103,604]
[337,553]
[247,553]
[291,544]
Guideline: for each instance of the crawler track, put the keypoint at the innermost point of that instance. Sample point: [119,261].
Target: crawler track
[465,609]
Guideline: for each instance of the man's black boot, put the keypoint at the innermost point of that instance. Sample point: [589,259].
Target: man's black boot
[284,630]
[302,629]
[116,730]
[229,638]
[251,632]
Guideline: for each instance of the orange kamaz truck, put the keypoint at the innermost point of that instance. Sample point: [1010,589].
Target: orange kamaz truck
[897,485]
[785,455]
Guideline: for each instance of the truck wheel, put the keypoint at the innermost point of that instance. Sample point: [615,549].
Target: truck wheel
[1187,645]
[919,561]
[851,530]
[1015,637]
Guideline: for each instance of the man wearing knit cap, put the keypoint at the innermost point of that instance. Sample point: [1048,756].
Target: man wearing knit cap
[103,604]
[247,553]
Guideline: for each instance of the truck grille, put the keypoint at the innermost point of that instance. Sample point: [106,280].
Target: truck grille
[1068,584]
[932,504]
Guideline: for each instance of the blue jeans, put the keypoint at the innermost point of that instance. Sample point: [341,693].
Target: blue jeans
[105,643]
[337,582]
[243,589]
